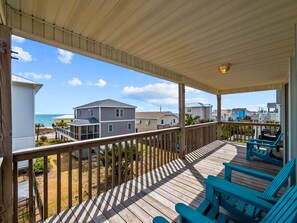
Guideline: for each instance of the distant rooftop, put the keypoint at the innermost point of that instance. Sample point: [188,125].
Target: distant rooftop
[151,115]
[65,117]
[106,103]
[84,121]
[22,80]
[198,104]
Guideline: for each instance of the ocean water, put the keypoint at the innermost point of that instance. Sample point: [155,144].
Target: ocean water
[46,119]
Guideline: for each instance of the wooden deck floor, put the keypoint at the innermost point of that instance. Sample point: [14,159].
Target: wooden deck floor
[156,192]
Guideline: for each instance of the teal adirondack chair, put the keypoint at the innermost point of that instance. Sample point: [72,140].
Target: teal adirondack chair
[250,213]
[253,149]
[284,211]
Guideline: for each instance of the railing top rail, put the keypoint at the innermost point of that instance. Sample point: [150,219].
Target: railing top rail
[201,125]
[36,152]
[251,123]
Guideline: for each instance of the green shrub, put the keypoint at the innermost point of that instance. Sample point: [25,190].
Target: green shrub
[38,165]
[43,138]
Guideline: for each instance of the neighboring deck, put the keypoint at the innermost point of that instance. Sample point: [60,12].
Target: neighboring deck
[157,192]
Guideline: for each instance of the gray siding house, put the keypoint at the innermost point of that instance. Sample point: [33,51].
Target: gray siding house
[199,109]
[101,119]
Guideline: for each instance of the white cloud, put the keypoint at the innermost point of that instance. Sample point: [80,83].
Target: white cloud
[160,94]
[35,75]
[23,56]
[65,56]
[17,39]
[99,83]
[75,82]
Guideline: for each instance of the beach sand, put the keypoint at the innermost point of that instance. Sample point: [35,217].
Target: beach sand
[48,132]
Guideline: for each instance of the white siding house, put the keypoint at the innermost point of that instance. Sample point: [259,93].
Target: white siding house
[23,110]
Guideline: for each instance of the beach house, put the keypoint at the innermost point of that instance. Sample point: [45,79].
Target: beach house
[23,111]
[146,121]
[204,111]
[100,119]
[63,119]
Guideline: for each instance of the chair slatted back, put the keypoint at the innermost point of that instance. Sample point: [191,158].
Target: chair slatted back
[285,209]
[281,178]
[278,139]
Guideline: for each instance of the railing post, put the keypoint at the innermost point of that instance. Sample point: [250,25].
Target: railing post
[6,213]
[219,115]
[181,109]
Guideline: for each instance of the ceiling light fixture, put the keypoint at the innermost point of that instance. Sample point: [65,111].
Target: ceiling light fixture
[224,68]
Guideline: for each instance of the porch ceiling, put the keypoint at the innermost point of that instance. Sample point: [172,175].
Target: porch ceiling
[181,41]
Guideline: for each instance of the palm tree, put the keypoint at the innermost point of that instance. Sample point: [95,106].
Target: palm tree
[37,128]
[190,120]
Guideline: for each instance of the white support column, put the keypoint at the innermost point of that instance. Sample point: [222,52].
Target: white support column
[219,115]
[292,147]
[181,109]
[6,213]
[284,119]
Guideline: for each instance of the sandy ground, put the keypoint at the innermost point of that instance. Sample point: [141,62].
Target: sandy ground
[48,132]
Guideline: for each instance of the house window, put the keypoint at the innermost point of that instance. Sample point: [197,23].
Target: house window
[173,120]
[137,121]
[162,121]
[129,126]
[147,122]
[79,112]
[92,112]
[189,110]
[110,128]
[119,112]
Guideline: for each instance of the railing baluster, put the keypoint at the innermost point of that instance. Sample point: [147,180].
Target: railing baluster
[58,183]
[120,163]
[141,156]
[15,192]
[69,180]
[80,176]
[146,154]
[162,149]
[150,152]
[158,150]
[154,152]
[131,158]
[113,165]
[45,188]
[171,151]
[165,148]
[98,171]
[31,196]
[126,161]
[106,167]
[136,160]
[90,172]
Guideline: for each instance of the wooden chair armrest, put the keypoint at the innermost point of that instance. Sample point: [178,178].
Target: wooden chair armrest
[191,215]
[239,194]
[159,219]
[229,167]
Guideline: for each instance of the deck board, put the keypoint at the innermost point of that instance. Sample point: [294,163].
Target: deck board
[156,192]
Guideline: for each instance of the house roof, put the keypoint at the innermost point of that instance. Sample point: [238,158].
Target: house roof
[198,105]
[65,117]
[106,103]
[24,81]
[89,121]
[152,115]
[180,41]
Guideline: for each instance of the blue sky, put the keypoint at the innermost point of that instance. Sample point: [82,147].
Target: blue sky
[71,80]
